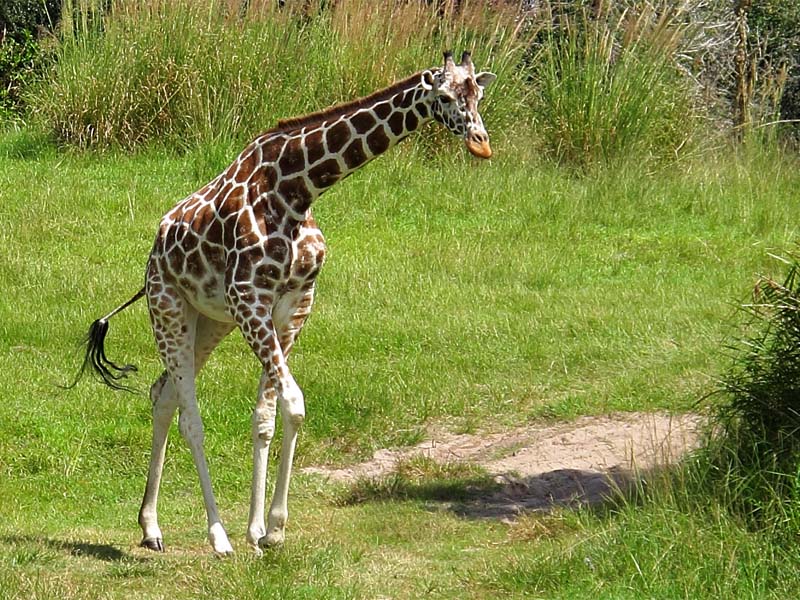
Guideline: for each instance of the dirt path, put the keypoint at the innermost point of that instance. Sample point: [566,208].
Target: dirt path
[539,467]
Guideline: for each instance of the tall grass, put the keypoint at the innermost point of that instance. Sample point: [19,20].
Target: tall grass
[608,85]
[579,87]
[186,73]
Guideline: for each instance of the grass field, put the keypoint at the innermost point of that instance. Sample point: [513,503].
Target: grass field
[471,296]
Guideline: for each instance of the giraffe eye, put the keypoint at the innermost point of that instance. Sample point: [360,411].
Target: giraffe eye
[446,99]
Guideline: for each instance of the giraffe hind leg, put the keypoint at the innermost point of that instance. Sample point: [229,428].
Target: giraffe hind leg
[164,401]
[175,390]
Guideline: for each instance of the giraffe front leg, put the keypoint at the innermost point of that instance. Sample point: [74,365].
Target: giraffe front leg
[290,314]
[263,430]
[278,384]
[292,416]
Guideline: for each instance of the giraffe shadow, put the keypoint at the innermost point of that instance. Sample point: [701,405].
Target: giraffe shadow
[506,495]
[102,552]
[514,496]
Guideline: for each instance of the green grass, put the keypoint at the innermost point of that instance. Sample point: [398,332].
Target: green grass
[467,295]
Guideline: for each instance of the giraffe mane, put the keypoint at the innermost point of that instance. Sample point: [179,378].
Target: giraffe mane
[337,110]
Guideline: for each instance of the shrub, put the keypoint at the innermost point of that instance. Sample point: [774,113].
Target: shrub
[20,16]
[18,61]
[21,55]
[756,449]
[775,35]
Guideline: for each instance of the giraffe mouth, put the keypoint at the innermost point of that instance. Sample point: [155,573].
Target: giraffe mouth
[481,149]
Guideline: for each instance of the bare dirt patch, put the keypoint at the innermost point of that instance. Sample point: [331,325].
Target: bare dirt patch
[539,467]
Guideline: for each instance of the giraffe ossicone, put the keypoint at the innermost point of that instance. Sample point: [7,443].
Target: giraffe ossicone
[244,251]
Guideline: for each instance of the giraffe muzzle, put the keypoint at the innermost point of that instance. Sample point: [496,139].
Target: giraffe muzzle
[478,145]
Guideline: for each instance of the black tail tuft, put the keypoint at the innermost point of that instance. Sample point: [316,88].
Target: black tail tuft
[96,357]
[108,372]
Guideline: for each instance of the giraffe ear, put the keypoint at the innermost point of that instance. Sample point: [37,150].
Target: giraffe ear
[485,79]
[428,80]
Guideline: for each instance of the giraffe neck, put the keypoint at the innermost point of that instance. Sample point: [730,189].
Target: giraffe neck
[308,155]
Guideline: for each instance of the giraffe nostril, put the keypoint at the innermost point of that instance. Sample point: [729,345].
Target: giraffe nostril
[479,137]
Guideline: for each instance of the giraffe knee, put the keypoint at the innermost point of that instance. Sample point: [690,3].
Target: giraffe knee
[157,389]
[297,419]
[263,424]
[293,409]
[162,396]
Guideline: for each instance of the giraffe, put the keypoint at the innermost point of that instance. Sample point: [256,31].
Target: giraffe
[244,251]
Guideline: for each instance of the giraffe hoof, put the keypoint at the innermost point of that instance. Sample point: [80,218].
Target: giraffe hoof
[154,544]
[219,540]
[271,540]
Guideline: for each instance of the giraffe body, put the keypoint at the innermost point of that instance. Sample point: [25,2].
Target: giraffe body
[244,251]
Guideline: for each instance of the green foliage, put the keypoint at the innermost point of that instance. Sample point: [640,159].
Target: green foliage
[764,390]
[775,34]
[17,66]
[775,24]
[22,57]
[21,17]
[20,63]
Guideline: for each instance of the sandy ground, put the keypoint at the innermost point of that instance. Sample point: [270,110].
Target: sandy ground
[539,467]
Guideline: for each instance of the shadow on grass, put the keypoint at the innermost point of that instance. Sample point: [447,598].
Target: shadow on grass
[544,492]
[504,496]
[102,552]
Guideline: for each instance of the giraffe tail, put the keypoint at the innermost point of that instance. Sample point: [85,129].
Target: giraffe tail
[108,372]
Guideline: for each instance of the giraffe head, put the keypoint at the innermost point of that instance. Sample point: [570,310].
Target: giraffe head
[456,91]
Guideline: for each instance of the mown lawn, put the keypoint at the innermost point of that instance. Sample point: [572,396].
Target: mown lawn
[465,295]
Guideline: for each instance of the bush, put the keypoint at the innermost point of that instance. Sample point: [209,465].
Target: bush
[21,55]
[756,448]
[608,87]
[20,16]
[775,34]
[18,62]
